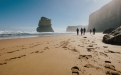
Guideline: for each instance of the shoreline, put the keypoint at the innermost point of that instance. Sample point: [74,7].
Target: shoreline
[14,36]
[42,35]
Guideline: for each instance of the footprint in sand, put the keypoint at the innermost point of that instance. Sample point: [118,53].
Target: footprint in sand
[36,51]
[74,50]
[105,46]
[109,51]
[110,67]
[12,51]
[90,48]
[75,70]
[84,37]
[112,73]
[90,45]
[107,61]
[3,63]
[103,54]
[64,47]
[89,66]
[16,50]
[92,66]
[85,57]
[21,56]
[13,58]
[46,48]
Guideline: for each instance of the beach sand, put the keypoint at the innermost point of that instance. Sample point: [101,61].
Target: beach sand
[67,54]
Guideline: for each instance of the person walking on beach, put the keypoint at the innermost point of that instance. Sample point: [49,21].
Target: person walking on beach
[77,31]
[94,31]
[84,31]
[90,31]
[81,30]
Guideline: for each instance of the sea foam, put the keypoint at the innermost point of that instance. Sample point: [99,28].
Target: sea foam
[26,34]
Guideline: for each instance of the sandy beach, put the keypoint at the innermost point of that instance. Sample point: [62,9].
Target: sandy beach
[67,54]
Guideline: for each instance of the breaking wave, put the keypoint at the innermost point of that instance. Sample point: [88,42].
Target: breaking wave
[25,34]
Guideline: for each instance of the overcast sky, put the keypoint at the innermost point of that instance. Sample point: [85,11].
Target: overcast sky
[23,15]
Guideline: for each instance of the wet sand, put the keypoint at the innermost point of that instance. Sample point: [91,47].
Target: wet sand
[60,55]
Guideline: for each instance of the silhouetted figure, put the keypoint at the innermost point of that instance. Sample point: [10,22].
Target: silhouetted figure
[94,31]
[84,31]
[81,30]
[77,31]
[90,31]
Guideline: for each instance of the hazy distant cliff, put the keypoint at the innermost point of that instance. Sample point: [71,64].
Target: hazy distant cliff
[73,28]
[44,25]
[109,16]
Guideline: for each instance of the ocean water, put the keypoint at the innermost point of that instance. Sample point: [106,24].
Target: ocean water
[28,34]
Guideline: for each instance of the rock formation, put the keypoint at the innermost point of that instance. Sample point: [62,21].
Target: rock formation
[73,28]
[44,25]
[107,31]
[114,37]
[108,16]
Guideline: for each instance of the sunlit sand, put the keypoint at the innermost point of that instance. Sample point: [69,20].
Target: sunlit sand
[67,54]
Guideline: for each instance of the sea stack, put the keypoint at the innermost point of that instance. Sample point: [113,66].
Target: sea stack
[44,25]
[108,16]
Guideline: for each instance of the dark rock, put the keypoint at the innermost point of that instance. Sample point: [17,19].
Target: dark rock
[44,25]
[107,31]
[108,16]
[45,29]
[114,37]
[73,28]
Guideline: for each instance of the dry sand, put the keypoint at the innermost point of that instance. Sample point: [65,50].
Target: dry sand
[60,55]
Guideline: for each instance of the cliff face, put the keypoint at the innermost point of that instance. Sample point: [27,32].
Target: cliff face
[109,16]
[73,28]
[44,25]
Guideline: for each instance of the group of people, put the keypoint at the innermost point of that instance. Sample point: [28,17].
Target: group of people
[84,30]
[81,30]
